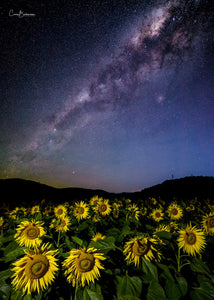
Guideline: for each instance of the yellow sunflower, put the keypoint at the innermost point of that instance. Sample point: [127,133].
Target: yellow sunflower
[20,211]
[29,233]
[119,202]
[154,201]
[174,211]
[192,206]
[103,207]
[13,214]
[157,214]
[35,209]
[188,209]
[98,236]
[35,271]
[60,211]
[145,247]
[115,210]
[62,224]
[82,266]
[96,218]
[94,200]
[208,223]
[143,211]
[1,221]
[128,201]
[162,228]
[133,211]
[173,227]
[81,210]
[191,240]
[53,223]
[48,210]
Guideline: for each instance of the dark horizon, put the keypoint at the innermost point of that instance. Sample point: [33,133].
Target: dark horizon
[192,178]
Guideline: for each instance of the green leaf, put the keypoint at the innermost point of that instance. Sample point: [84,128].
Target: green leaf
[4,290]
[166,272]
[77,240]
[113,232]
[129,286]
[92,292]
[155,291]
[198,266]
[83,226]
[28,297]
[164,235]
[13,255]
[38,216]
[84,295]
[6,239]
[94,295]
[11,231]
[172,290]
[39,296]
[150,270]
[127,297]
[69,243]
[149,227]
[104,245]
[126,230]
[79,295]
[16,295]
[10,247]
[183,286]
[205,291]
[5,274]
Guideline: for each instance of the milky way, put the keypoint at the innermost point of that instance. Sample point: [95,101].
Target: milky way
[143,75]
[146,53]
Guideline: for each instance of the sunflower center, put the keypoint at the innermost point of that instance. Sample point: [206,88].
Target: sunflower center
[85,262]
[37,266]
[191,238]
[60,211]
[210,222]
[80,210]
[103,207]
[32,232]
[140,248]
[62,223]
[158,215]
[174,211]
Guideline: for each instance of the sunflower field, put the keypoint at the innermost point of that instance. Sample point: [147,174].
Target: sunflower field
[108,249]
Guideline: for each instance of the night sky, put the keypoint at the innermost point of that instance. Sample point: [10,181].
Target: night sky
[114,95]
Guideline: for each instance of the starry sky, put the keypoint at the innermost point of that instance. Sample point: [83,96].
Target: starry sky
[106,94]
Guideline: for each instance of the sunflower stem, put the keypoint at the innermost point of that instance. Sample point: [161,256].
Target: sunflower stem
[118,248]
[179,260]
[76,289]
[58,240]
[184,265]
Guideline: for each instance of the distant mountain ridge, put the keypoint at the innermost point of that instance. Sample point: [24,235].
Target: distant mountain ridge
[19,191]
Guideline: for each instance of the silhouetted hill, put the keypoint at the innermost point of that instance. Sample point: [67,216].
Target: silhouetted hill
[16,192]
[201,187]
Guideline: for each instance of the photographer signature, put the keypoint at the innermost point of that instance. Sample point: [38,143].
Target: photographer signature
[20,14]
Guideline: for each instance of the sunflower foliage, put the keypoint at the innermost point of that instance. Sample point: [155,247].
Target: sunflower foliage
[98,248]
